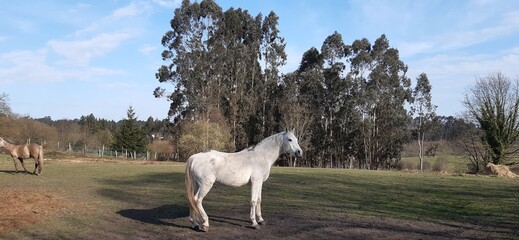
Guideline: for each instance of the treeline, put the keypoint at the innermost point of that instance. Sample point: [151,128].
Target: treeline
[345,100]
[89,133]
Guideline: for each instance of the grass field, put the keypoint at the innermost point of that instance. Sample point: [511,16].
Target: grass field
[85,199]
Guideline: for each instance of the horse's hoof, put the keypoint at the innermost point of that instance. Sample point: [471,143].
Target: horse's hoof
[204,228]
[256,227]
[262,223]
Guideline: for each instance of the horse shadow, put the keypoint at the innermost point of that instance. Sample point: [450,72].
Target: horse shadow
[230,221]
[167,215]
[13,172]
[163,215]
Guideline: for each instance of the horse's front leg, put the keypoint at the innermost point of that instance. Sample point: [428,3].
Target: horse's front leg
[23,165]
[261,221]
[15,164]
[255,201]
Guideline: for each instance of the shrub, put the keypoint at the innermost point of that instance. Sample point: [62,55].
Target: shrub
[202,136]
[426,165]
[408,164]
[440,164]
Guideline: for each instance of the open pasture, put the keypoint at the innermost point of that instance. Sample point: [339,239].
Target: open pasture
[87,199]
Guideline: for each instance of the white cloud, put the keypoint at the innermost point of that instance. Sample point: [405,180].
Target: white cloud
[507,24]
[118,85]
[447,65]
[132,10]
[410,49]
[132,15]
[455,40]
[168,3]
[25,66]
[80,52]
[147,49]
[32,66]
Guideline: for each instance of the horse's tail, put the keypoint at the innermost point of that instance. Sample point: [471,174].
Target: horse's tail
[190,189]
[40,160]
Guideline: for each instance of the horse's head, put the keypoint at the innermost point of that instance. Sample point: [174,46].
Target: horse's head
[290,144]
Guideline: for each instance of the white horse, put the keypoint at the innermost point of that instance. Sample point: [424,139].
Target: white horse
[235,169]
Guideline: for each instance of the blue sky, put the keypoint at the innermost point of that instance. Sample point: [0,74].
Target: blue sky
[65,59]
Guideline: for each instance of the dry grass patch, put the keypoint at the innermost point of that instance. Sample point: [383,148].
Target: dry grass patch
[500,170]
[28,206]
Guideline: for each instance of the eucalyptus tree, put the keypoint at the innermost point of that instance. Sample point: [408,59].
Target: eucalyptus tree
[190,60]
[226,62]
[336,98]
[273,56]
[385,88]
[291,114]
[350,99]
[425,110]
[311,80]
[329,94]
[238,41]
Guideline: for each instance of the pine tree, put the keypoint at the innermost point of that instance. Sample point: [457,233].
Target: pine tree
[130,136]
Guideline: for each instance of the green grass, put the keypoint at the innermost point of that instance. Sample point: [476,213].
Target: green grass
[126,200]
[435,197]
[454,164]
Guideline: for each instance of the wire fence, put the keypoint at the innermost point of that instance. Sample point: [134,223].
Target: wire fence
[109,153]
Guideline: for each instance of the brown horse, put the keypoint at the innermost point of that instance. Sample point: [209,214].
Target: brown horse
[25,151]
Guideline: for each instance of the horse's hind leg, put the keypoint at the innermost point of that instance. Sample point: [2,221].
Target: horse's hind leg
[37,167]
[36,164]
[192,216]
[202,192]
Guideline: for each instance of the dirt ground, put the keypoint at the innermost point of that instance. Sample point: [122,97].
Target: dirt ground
[229,225]
[20,209]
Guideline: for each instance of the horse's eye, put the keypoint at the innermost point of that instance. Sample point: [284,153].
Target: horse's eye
[290,139]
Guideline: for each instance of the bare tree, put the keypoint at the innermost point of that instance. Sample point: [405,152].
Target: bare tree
[5,110]
[493,104]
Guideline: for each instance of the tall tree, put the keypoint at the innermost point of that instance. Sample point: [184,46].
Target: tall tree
[425,110]
[386,88]
[238,44]
[493,103]
[228,61]
[290,112]
[188,50]
[274,56]
[348,100]
[311,81]
[130,136]
[335,92]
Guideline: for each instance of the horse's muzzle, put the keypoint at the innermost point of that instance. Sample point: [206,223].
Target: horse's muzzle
[298,153]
